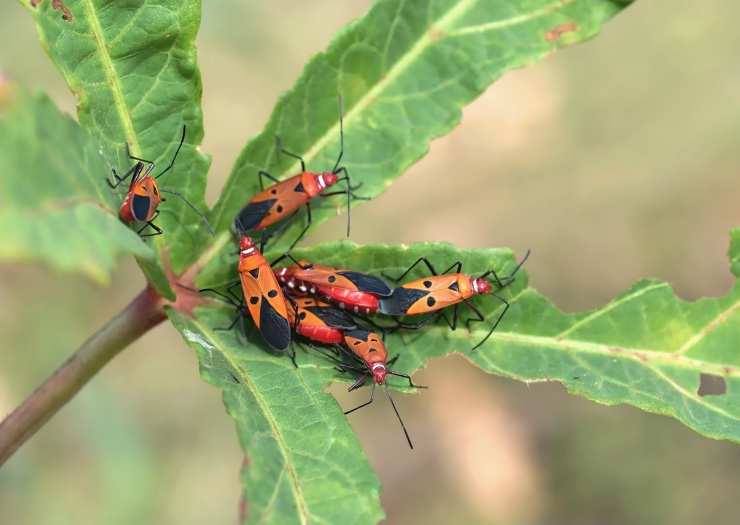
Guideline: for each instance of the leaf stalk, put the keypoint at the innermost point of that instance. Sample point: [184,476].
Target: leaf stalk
[142,314]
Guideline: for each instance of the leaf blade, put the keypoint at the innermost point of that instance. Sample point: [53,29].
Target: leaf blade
[300,467]
[133,71]
[52,209]
[381,73]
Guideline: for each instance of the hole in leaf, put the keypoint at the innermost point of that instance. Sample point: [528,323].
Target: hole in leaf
[711,385]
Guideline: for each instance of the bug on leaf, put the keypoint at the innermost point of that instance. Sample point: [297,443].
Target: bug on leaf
[144,194]
[285,198]
[432,294]
[263,298]
[348,289]
[318,320]
[368,348]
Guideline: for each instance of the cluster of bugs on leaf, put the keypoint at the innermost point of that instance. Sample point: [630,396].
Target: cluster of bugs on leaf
[317,304]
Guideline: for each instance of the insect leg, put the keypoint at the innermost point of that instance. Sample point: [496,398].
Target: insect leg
[372,395]
[118,179]
[182,139]
[262,174]
[404,274]
[149,223]
[289,154]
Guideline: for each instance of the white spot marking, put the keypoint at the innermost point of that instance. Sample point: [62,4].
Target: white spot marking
[196,338]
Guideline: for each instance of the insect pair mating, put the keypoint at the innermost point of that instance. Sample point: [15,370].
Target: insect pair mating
[277,315]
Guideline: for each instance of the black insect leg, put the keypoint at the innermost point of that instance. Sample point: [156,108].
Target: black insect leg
[149,223]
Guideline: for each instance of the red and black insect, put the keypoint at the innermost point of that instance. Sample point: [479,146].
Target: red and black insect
[318,320]
[284,199]
[262,296]
[431,294]
[368,348]
[347,289]
[144,194]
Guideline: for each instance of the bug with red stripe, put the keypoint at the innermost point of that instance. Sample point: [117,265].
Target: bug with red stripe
[368,348]
[348,289]
[317,320]
[144,194]
[285,198]
[451,287]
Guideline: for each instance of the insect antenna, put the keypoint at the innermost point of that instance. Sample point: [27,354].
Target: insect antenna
[173,158]
[496,279]
[202,217]
[501,316]
[397,414]
[341,137]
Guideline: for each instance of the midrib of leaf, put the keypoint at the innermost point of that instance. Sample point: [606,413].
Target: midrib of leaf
[392,74]
[289,467]
[111,74]
[416,50]
[62,204]
[646,356]
[511,21]
[642,355]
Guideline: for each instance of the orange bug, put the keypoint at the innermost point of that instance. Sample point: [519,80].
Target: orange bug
[368,348]
[284,199]
[318,320]
[262,295]
[431,294]
[347,289]
[144,194]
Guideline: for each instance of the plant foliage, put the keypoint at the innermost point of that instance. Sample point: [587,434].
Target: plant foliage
[404,70]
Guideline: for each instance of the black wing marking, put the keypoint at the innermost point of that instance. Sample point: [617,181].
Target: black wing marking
[274,328]
[333,317]
[140,207]
[400,301]
[252,214]
[367,283]
[360,332]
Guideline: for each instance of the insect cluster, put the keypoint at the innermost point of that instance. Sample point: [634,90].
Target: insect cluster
[325,307]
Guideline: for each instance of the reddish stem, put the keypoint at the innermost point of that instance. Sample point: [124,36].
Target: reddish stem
[137,318]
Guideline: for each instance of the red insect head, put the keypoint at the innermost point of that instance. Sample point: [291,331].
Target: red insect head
[324,180]
[246,244]
[379,373]
[479,285]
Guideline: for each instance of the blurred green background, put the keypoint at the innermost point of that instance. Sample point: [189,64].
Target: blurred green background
[612,160]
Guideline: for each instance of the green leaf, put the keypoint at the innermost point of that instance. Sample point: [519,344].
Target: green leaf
[303,462]
[647,348]
[132,68]
[52,207]
[404,71]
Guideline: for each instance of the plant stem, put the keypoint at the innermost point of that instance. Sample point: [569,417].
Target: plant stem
[143,313]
